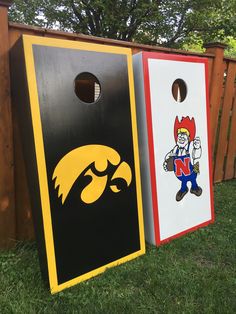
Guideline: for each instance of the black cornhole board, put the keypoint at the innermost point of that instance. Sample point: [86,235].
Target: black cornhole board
[79,238]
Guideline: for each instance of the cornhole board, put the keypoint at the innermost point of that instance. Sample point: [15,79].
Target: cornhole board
[82,158]
[161,120]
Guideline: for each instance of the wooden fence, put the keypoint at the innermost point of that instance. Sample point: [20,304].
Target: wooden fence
[15,213]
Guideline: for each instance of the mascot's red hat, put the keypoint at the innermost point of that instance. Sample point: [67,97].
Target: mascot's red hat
[185,126]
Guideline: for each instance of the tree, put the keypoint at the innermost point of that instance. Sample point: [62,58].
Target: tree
[171,23]
[106,18]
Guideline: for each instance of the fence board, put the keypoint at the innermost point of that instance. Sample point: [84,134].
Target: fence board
[224,123]
[13,37]
[7,200]
[210,67]
[231,154]
[216,85]
[216,99]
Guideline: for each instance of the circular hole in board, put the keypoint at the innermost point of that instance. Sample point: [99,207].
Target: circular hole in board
[87,87]
[179,90]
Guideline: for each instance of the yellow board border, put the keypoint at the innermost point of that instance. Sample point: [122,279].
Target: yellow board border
[28,42]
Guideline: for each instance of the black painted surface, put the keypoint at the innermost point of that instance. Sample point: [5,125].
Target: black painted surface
[87,236]
[21,109]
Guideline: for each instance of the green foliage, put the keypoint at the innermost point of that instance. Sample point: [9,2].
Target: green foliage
[231,50]
[196,45]
[171,23]
[193,274]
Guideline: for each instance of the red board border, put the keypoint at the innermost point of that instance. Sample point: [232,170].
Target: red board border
[172,57]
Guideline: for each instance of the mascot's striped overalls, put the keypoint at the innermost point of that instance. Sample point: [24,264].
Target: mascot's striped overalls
[183,158]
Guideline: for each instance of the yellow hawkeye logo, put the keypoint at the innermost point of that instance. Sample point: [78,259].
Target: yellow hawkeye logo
[73,164]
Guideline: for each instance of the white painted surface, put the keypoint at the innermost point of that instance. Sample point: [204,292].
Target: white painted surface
[143,148]
[175,217]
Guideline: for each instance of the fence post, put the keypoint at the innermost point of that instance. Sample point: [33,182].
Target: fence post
[216,87]
[7,202]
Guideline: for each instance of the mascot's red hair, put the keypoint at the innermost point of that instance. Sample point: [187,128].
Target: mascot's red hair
[186,126]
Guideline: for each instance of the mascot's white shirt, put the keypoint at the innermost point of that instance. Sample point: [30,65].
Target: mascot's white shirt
[195,153]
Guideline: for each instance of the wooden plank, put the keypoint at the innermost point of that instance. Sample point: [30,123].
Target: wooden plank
[215,111]
[210,66]
[228,59]
[225,71]
[14,35]
[216,90]
[7,203]
[216,93]
[88,38]
[231,155]
[224,124]
[55,35]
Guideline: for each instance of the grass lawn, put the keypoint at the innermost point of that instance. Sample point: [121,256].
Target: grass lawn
[192,274]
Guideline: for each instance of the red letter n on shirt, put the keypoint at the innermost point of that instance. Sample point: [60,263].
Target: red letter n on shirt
[182,167]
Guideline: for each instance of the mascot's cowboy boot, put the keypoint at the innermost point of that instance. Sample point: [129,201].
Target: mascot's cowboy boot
[180,195]
[197,191]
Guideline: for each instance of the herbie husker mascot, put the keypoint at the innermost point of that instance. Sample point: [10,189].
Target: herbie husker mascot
[183,158]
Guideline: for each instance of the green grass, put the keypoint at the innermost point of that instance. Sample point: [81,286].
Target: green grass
[192,274]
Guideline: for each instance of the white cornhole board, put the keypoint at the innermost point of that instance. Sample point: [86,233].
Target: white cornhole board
[165,216]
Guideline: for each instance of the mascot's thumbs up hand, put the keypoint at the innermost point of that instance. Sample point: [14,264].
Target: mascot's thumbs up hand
[197,143]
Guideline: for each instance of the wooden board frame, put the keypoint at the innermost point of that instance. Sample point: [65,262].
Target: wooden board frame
[145,56]
[28,42]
